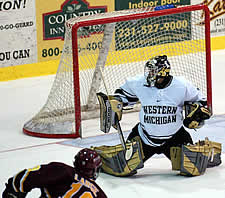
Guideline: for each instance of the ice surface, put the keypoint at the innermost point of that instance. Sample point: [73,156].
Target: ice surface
[21,99]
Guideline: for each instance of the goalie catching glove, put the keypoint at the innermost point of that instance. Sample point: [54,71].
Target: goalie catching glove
[195,115]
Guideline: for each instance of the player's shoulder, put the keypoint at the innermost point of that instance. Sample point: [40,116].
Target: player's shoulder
[63,170]
[57,164]
[180,80]
[136,79]
[135,83]
[60,166]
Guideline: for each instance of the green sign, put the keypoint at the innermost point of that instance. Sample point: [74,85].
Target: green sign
[152,31]
[54,22]
[133,4]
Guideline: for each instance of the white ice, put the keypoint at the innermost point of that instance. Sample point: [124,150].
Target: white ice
[21,99]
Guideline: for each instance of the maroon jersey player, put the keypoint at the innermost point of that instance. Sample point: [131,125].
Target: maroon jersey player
[58,180]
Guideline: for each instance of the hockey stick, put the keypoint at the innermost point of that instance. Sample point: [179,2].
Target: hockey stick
[120,132]
[122,140]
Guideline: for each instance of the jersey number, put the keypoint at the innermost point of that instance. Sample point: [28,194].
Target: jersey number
[75,188]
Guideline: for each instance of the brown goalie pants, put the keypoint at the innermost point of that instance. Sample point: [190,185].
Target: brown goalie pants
[181,137]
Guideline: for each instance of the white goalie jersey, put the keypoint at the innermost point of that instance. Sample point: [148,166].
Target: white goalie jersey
[161,113]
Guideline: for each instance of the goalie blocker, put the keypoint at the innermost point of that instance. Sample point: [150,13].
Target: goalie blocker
[110,111]
[110,114]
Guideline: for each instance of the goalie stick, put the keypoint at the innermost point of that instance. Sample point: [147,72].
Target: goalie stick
[120,132]
[129,151]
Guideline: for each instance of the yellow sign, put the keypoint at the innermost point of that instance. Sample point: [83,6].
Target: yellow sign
[51,16]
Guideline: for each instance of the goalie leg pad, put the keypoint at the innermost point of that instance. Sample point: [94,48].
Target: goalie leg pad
[114,160]
[175,156]
[215,149]
[215,155]
[194,160]
[138,139]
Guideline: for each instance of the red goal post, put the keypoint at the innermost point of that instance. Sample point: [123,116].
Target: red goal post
[118,43]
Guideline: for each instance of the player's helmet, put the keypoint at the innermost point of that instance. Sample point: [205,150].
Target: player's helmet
[157,67]
[87,163]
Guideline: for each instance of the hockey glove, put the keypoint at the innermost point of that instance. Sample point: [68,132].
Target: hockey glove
[110,111]
[9,191]
[195,115]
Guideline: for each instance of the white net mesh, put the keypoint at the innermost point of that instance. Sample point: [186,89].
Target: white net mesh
[120,49]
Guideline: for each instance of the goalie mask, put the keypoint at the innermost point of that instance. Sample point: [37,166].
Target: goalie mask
[88,163]
[155,68]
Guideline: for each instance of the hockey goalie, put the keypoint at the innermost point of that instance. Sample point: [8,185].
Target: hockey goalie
[162,126]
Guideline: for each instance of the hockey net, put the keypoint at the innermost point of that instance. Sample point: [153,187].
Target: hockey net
[118,44]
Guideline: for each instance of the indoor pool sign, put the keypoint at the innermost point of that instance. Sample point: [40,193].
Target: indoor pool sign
[53,22]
